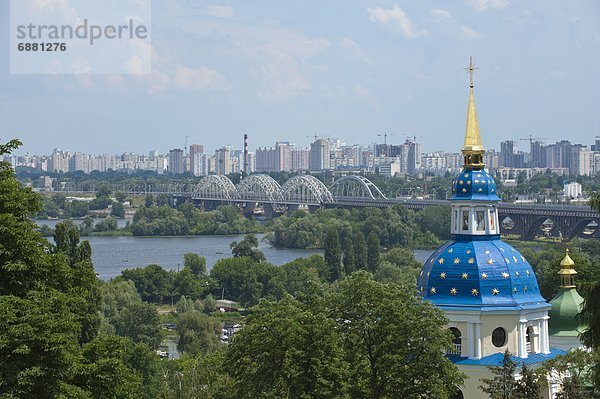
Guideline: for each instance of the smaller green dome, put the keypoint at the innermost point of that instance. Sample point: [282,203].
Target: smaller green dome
[566,305]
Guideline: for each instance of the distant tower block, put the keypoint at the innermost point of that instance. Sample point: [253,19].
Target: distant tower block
[246,154]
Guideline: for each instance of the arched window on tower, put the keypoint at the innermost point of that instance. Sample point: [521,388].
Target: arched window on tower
[529,338]
[480,216]
[456,341]
[465,220]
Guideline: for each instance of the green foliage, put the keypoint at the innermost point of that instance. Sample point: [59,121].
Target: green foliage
[394,226]
[117,210]
[287,350]
[194,262]
[191,375]
[349,259]
[153,283]
[139,321]
[164,220]
[197,332]
[590,314]
[504,385]
[107,224]
[120,197]
[373,249]
[578,372]
[148,200]
[360,251]
[248,247]
[435,219]
[333,254]
[391,339]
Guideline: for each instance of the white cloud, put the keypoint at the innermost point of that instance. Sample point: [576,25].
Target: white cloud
[483,5]
[469,33]
[219,11]
[395,18]
[198,79]
[283,77]
[355,50]
[441,14]
[365,95]
[557,75]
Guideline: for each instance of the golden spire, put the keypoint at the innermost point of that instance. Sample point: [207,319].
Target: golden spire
[567,272]
[473,149]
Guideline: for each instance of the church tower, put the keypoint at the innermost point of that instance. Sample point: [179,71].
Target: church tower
[485,287]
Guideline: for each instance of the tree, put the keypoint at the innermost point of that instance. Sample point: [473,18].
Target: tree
[188,376]
[287,350]
[391,339]
[153,283]
[109,223]
[148,200]
[360,251]
[194,262]
[333,253]
[120,196]
[103,191]
[373,249]
[196,333]
[590,314]
[578,373]
[529,386]
[349,259]
[247,247]
[140,322]
[504,384]
[117,210]
[595,201]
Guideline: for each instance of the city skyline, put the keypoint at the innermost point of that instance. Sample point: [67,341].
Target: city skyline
[283,72]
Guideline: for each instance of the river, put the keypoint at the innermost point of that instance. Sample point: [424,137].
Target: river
[111,255]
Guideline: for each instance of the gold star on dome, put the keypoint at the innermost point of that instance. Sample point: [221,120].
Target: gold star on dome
[480,190]
[522,258]
[466,175]
[527,272]
[484,276]
[460,182]
[468,182]
[453,291]
[492,190]
[468,251]
[431,260]
[515,290]
[517,274]
[471,261]
[465,276]
[479,175]
[432,290]
[441,261]
[495,291]
[474,292]
[420,274]
[443,275]
[476,181]
[487,252]
[421,288]
[483,182]
[464,190]
[514,250]
[524,289]
[515,259]
[505,275]
[456,261]
[502,249]
[451,250]
[489,261]
[428,274]
[507,260]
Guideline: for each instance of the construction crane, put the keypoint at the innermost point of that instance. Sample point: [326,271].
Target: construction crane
[531,139]
[385,136]
[185,146]
[316,137]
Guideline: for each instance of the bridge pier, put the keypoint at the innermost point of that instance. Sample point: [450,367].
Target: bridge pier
[249,208]
[292,208]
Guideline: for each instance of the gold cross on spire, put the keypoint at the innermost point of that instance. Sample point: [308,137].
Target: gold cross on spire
[471,68]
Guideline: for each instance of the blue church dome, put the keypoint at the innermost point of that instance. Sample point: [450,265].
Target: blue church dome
[479,273]
[475,185]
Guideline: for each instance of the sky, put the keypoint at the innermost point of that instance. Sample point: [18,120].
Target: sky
[348,69]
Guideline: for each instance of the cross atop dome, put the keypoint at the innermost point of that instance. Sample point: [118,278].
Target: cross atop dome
[473,149]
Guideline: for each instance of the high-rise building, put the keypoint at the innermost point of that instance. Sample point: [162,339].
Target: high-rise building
[537,155]
[223,160]
[176,161]
[320,158]
[196,151]
[265,159]
[507,153]
[581,161]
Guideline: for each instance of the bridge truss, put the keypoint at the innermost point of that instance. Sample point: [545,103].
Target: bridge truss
[356,187]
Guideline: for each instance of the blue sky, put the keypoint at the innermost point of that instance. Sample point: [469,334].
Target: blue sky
[350,69]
